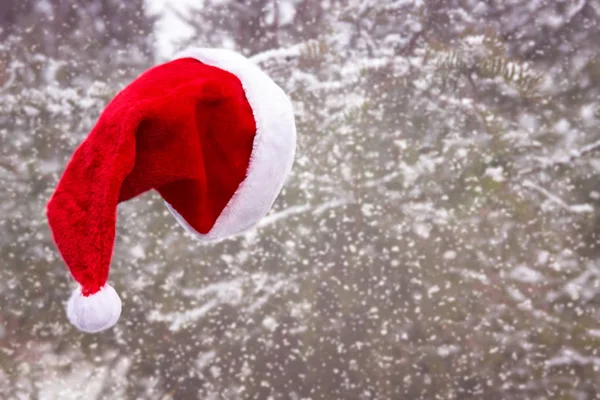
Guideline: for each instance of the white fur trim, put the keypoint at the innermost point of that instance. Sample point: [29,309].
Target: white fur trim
[96,312]
[272,152]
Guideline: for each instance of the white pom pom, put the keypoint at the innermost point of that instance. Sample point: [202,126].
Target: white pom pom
[96,312]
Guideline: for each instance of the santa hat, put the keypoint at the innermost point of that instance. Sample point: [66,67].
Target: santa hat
[209,131]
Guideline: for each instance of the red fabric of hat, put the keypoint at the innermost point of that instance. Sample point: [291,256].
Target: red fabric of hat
[209,131]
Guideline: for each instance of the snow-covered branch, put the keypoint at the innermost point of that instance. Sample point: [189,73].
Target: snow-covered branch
[301,209]
[575,154]
[278,54]
[575,208]
[8,166]
[379,181]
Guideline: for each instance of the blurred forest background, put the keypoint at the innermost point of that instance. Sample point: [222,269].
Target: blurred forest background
[439,237]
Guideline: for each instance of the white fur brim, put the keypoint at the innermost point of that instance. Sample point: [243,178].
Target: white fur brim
[273,148]
[96,312]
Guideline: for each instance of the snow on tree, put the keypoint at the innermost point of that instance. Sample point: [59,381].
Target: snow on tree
[438,237]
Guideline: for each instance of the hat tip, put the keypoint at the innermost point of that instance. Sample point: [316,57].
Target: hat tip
[96,312]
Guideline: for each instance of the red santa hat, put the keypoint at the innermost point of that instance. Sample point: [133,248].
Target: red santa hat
[209,131]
